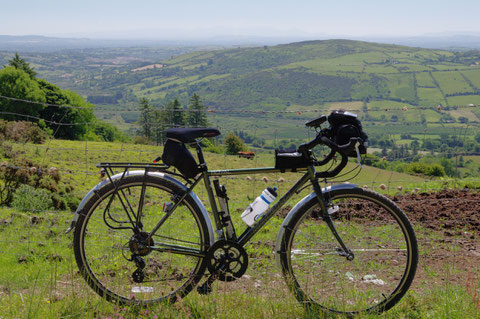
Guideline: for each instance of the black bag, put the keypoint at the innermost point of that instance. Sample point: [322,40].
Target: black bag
[290,159]
[345,125]
[177,155]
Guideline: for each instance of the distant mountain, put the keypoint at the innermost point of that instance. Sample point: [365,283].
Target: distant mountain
[448,41]
[37,43]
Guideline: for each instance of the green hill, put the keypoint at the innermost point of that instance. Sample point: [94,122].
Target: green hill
[310,74]
[377,81]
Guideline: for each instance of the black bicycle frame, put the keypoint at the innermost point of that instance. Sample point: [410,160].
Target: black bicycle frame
[249,231]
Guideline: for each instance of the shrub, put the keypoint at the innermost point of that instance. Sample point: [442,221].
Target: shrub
[426,169]
[15,173]
[22,132]
[141,140]
[234,144]
[29,199]
[208,146]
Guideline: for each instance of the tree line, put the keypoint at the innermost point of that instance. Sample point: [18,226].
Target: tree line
[154,122]
[61,113]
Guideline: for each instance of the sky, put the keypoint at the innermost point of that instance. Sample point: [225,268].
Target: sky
[210,18]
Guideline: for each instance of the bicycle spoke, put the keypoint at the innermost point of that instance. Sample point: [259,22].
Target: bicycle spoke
[119,263]
[321,275]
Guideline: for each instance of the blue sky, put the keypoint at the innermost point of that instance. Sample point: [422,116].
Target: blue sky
[188,18]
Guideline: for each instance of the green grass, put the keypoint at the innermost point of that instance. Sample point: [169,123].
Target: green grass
[52,288]
[430,96]
[424,79]
[473,76]
[464,100]
[42,280]
[452,82]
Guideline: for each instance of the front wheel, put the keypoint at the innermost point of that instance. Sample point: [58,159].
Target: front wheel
[374,229]
[123,263]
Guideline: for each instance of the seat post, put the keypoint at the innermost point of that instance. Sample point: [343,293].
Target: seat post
[201,159]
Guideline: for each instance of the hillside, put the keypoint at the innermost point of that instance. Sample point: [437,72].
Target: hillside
[309,73]
[377,81]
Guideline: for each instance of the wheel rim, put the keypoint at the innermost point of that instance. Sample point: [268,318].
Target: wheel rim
[322,275]
[105,252]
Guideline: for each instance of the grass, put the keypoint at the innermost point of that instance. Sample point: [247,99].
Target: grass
[42,280]
[52,289]
[430,96]
[473,76]
[452,82]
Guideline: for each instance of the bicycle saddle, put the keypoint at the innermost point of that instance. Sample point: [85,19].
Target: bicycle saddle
[188,135]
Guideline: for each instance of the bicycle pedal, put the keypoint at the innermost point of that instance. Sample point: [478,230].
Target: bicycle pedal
[204,289]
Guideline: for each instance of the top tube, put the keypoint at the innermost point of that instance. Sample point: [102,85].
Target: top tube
[240,171]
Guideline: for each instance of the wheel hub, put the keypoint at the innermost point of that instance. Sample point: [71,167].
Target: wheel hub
[140,244]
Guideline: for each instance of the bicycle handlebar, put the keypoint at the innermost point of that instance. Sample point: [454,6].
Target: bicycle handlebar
[343,150]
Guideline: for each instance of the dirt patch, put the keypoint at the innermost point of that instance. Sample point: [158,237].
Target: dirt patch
[148,67]
[449,210]
[450,253]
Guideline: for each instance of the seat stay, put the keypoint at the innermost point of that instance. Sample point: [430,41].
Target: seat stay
[177,200]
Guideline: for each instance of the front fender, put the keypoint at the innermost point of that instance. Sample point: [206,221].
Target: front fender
[92,192]
[295,209]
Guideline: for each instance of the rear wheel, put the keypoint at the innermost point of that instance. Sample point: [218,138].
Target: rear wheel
[127,266]
[383,243]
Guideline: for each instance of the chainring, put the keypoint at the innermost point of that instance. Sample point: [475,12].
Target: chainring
[227,259]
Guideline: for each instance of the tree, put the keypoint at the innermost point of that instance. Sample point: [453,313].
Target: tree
[108,133]
[463,120]
[196,116]
[73,121]
[159,126]
[174,114]
[145,117]
[61,112]
[477,137]
[16,83]
[234,144]
[21,64]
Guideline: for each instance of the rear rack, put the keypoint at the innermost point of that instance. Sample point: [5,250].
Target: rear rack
[108,169]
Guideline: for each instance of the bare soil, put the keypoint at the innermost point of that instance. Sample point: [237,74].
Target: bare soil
[448,232]
[448,210]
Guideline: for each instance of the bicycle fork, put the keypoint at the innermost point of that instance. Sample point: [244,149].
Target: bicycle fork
[326,212]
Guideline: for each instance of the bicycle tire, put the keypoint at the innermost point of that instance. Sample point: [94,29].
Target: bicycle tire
[102,253]
[378,233]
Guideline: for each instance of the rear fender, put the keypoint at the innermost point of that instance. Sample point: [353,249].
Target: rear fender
[95,189]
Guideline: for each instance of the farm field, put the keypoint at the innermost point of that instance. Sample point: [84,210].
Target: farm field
[43,280]
[291,83]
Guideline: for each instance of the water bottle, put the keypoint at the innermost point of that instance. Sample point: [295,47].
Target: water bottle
[259,206]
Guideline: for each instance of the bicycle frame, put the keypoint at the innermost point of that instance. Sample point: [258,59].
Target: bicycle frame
[249,231]
[205,175]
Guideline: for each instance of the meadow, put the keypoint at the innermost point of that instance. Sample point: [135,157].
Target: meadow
[40,278]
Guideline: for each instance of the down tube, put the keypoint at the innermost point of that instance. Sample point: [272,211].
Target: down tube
[251,231]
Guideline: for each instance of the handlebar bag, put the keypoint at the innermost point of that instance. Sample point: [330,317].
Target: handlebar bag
[345,125]
[290,159]
[177,155]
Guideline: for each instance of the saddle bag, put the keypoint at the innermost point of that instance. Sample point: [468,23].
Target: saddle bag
[345,125]
[290,159]
[177,155]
